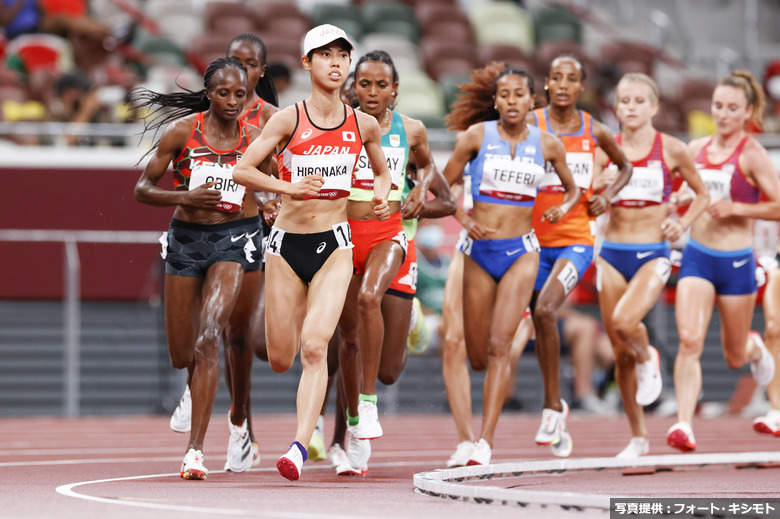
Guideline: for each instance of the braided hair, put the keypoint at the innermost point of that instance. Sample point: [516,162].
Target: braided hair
[167,108]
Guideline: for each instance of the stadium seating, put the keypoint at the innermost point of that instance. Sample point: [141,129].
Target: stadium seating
[449,84]
[556,23]
[160,49]
[502,22]
[452,30]
[420,97]
[629,56]
[216,11]
[282,49]
[509,54]
[206,48]
[345,16]
[447,57]
[388,17]
[405,55]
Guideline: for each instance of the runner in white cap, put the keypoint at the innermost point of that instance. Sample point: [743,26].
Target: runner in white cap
[309,252]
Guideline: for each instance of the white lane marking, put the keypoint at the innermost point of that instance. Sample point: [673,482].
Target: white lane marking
[68,490]
[454,483]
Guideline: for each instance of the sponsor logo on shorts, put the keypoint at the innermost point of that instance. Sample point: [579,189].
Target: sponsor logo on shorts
[234,239]
[321,247]
[737,264]
[643,255]
[513,252]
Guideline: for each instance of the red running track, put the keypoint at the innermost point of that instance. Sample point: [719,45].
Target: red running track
[127,467]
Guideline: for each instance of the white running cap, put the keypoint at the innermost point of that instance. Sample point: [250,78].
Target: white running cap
[322,35]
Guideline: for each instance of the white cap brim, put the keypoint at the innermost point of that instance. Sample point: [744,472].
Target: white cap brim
[323,35]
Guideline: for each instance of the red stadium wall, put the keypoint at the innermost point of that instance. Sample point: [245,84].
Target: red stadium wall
[73,198]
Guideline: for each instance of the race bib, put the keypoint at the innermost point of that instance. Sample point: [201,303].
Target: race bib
[718,182]
[581,167]
[510,179]
[336,171]
[364,175]
[646,187]
[232,193]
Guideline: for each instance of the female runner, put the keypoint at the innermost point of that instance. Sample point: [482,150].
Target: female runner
[506,159]
[633,265]
[718,259]
[240,339]
[309,252]
[567,246]
[207,243]
[378,308]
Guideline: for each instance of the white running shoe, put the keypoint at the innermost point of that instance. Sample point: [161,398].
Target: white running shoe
[368,428]
[239,453]
[648,379]
[762,369]
[192,466]
[553,431]
[680,436]
[768,424]
[337,456]
[255,454]
[358,453]
[462,454]
[291,464]
[638,446]
[181,419]
[481,454]
[553,422]
[317,445]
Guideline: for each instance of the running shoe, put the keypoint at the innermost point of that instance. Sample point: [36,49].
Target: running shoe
[481,454]
[768,424]
[563,448]
[336,456]
[762,369]
[317,446]
[680,436]
[368,427]
[291,464]
[181,419]
[255,454]
[462,454]
[638,446]
[648,379]
[553,422]
[192,466]
[239,453]
[358,453]
[419,335]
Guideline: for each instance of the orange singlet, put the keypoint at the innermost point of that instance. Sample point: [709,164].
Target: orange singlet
[576,226]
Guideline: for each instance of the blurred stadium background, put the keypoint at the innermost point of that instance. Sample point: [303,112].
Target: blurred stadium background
[81,328]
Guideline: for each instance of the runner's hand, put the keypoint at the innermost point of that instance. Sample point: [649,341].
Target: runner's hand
[381,208]
[309,186]
[203,197]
